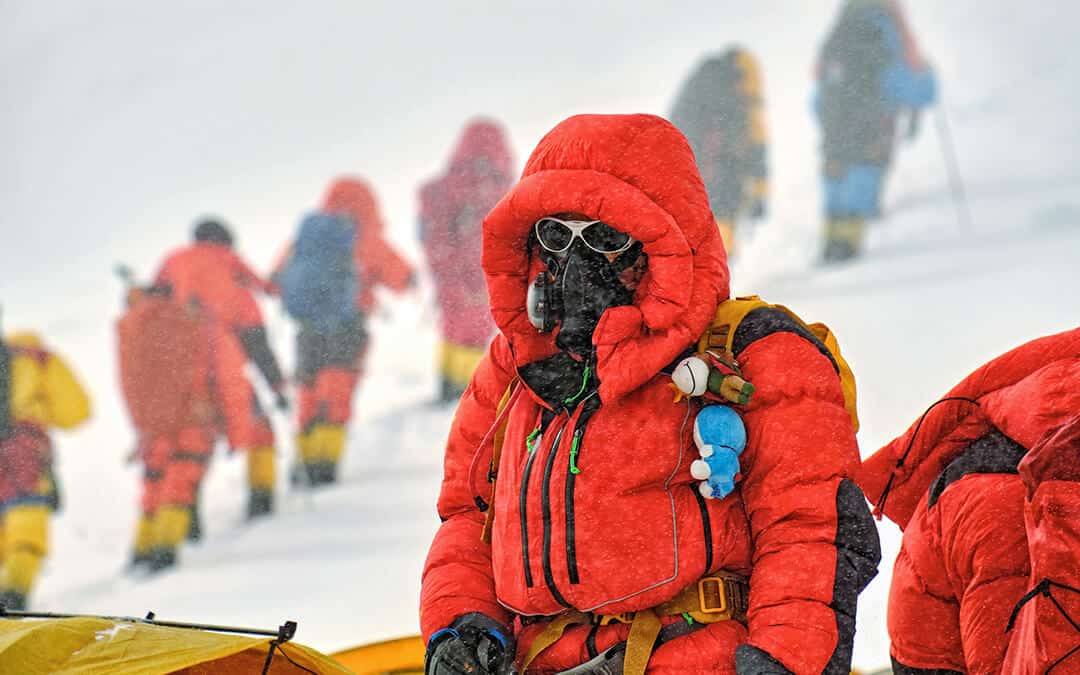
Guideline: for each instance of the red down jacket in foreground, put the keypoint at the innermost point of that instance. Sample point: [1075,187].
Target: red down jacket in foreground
[630,530]
[976,538]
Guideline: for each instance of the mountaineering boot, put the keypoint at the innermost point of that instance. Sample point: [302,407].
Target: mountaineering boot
[321,448]
[323,473]
[260,503]
[302,473]
[171,526]
[843,239]
[144,541]
[139,560]
[162,558]
[328,442]
[12,600]
[26,543]
[261,474]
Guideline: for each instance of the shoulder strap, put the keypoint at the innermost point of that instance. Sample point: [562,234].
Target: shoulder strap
[501,421]
[730,314]
[719,336]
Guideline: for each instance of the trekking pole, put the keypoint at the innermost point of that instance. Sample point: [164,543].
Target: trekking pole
[952,167]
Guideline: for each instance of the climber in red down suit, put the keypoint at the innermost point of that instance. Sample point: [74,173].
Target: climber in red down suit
[452,208]
[604,266]
[984,485]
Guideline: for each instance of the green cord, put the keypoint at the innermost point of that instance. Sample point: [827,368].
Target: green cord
[584,383]
[573,454]
[530,440]
[689,619]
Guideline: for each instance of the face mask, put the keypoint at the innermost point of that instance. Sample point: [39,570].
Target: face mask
[578,285]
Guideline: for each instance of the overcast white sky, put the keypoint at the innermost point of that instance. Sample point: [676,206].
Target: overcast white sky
[122,120]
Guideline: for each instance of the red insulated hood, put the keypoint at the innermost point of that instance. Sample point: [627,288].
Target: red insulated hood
[636,173]
[482,139]
[354,197]
[1023,393]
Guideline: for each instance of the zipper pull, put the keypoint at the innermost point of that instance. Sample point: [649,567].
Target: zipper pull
[574,452]
[533,440]
[584,383]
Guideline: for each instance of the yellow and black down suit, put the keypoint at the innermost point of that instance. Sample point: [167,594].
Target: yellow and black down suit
[721,112]
[42,393]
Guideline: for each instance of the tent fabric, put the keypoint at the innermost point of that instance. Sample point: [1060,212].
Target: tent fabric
[402,656]
[96,646]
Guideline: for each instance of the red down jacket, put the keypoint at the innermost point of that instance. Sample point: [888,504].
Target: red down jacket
[214,276]
[630,530]
[974,542]
[452,208]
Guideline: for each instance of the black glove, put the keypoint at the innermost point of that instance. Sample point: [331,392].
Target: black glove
[474,644]
[749,660]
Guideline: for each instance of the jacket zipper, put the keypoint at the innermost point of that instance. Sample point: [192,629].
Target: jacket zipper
[533,443]
[706,526]
[545,508]
[572,471]
[522,505]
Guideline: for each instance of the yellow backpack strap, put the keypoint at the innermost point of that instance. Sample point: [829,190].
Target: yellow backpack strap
[720,336]
[847,377]
[496,455]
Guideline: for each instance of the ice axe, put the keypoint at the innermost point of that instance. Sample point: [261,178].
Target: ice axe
[952,167]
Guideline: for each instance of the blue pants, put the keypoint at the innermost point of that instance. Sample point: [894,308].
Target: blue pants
[854,193]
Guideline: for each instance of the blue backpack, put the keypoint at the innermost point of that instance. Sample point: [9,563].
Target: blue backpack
[319,282]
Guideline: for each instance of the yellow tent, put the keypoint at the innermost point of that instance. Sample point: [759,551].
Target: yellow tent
[99,646]
[404,656]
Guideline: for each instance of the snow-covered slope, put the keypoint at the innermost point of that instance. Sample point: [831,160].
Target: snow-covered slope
[127,119]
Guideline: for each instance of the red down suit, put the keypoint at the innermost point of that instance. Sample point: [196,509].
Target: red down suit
[978,535]
[630,530]
[213,276]
[452,207]
[330,366]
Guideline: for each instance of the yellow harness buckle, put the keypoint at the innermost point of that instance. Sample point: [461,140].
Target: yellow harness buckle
[625,617]
[712,596]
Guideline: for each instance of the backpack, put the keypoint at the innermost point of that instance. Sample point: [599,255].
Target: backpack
[163,352]
[319,282]
[719,336]
[851,66]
